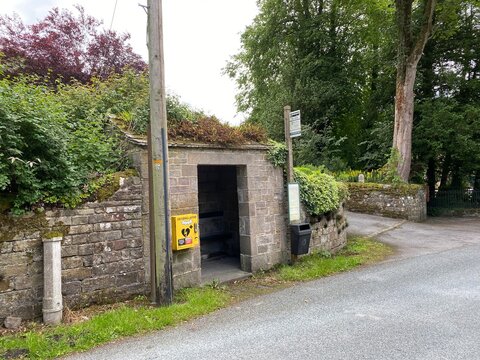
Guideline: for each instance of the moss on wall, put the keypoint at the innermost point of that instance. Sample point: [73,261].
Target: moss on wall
[394,190]
[16,225]
[111,185]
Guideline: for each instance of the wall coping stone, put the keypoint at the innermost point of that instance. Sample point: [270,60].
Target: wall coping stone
[142,142]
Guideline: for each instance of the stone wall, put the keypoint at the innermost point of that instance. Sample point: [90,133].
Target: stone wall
[329,231]
[102,253]
[105,246]
[400,201]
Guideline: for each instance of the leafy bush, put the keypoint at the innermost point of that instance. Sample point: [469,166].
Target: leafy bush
[319,192]
[34,159]
[277,154]
[52,141]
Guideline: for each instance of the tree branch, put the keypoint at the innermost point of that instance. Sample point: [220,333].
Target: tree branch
[424,32]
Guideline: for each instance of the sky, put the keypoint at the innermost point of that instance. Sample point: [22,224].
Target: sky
[200,36]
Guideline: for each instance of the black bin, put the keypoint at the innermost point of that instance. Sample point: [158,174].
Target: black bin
[300,238]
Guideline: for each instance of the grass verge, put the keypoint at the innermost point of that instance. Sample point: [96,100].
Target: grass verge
[138,317]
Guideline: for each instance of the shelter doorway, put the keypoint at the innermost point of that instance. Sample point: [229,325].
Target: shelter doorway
[219,223]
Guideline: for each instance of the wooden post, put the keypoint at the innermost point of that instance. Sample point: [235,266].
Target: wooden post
[160,237]
[288,141]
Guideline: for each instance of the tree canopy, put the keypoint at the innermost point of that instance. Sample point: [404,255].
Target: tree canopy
[337,61]
[66,46]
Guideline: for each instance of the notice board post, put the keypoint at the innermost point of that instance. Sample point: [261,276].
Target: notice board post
[292,122]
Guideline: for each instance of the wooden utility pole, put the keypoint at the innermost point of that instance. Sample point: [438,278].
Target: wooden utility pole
[160,237]
[288,140]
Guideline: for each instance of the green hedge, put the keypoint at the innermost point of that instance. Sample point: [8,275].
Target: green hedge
[319,192]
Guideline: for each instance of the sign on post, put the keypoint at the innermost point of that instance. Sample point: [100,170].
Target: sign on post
[294,202]
[295,124]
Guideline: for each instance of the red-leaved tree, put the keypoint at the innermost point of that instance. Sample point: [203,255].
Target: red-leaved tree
[65,45]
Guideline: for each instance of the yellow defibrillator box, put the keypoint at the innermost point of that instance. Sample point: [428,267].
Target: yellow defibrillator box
[185,232]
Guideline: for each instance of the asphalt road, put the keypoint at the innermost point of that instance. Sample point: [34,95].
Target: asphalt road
[424,303]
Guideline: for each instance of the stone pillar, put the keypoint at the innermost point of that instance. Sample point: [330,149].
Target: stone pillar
[52,273]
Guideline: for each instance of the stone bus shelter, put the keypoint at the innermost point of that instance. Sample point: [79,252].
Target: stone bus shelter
[241,202]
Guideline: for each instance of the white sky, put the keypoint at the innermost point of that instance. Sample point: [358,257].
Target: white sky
[200,36]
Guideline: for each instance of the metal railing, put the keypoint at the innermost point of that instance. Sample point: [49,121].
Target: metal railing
[454,200]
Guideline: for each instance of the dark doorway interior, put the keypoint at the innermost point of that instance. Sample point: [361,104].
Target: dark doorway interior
[219,221]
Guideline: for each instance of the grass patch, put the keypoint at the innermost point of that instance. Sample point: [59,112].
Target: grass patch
[359,251]
[49,343]
[138,317]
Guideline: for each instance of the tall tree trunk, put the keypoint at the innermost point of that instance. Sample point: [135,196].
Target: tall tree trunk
[431,178]
[445,171]
[402,133]
[409,54]
[457,183]
[476,183]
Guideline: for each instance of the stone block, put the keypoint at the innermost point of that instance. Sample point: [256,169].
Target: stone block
[25,282]
[4,285]
[72,262]
[246,245]
[126,279]
[189,279]
[113,256]
[135,242]
[182,267]
[60,220]
[98,283]
[127,224]
[244,226]
[105,236]
[79,220]
[135,253]
[131,233]
[103,218]
[35,268]
[71,250]
[80,239]
[71,288]
[14,270]
[119,244]
[87,260]
[100,210]
[80,229]
[131,209]
[255,263]
[85,249]
[76,274]
[262,249]
[189,170]
[12,322]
